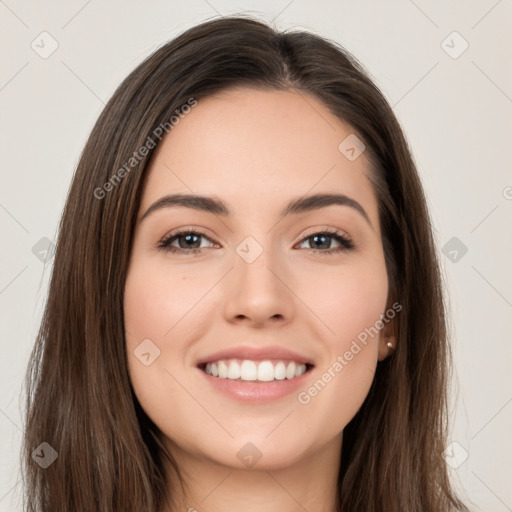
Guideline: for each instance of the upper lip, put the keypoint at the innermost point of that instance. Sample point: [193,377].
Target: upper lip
[255,354]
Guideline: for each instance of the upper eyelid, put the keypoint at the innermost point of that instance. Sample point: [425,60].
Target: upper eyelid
[181,232]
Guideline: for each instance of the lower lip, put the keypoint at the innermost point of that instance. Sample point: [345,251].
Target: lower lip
[256,392]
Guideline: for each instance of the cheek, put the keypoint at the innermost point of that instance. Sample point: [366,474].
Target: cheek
[156,299]
[351,312]
[163,312]
[350,303]
[151,309]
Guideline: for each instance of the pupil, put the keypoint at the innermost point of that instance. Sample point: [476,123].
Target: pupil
[321,236]
[189,237]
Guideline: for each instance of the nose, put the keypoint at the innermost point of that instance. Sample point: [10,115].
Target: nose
[258,294]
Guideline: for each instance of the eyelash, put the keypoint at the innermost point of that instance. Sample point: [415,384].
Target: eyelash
[346,243]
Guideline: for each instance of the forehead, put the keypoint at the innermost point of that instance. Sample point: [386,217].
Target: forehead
[257,148]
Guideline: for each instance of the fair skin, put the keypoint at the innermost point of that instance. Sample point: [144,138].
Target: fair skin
[256,151]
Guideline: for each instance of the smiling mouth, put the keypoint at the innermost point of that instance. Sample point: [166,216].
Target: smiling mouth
[255,371]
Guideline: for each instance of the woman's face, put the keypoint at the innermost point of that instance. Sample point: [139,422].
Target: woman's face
[262,281]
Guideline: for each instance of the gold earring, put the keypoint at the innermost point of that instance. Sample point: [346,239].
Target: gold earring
[390,345]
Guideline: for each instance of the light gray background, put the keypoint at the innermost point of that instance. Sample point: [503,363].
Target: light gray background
[456,112]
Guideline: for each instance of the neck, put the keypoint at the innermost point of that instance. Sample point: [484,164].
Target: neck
[309,483]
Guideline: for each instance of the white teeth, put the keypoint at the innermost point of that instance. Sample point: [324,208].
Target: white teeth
[248,370]
[223,370]
[290,371]
[264,371]
[233,370]
[280,371]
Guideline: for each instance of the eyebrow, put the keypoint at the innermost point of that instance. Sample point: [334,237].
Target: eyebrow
[218,207]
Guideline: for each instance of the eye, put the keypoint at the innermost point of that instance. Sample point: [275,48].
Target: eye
[189,242]
[320,238]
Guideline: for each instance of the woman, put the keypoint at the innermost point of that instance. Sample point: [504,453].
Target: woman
[246,308]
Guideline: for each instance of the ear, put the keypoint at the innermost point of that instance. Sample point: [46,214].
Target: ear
[387,335]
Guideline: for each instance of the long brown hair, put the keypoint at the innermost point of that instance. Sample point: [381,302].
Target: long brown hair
[79,397]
